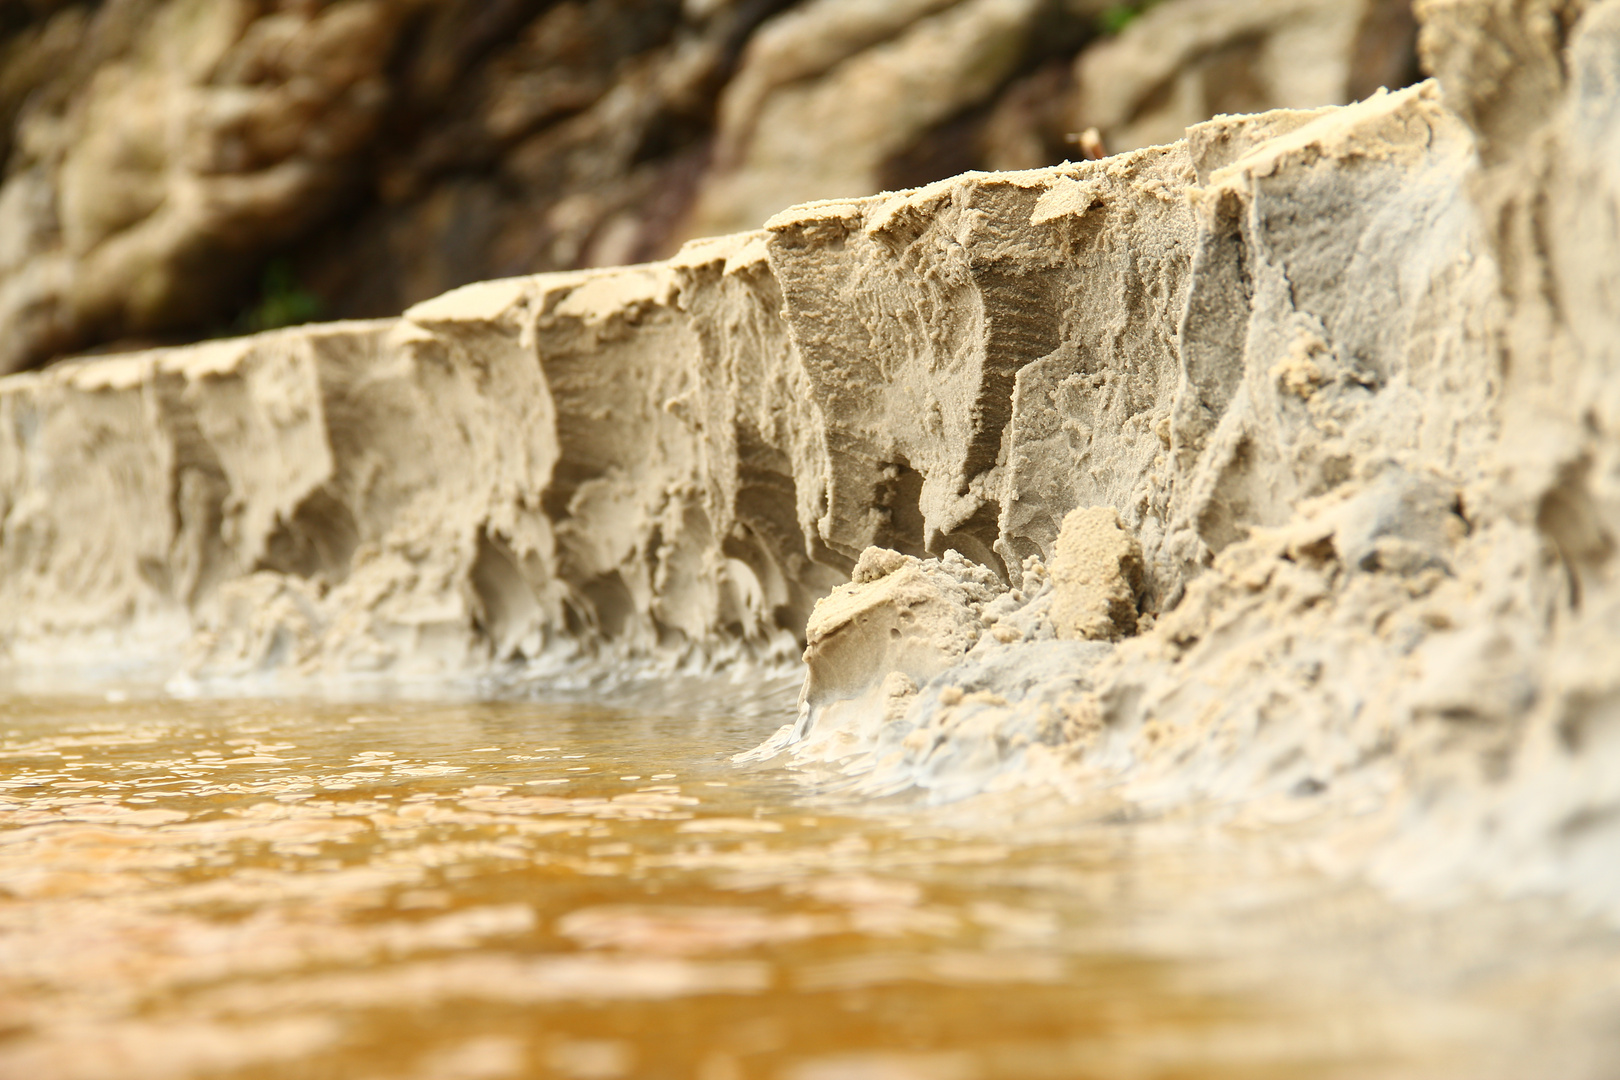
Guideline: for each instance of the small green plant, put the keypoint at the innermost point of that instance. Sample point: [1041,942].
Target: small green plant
[282,300]
[1118,16]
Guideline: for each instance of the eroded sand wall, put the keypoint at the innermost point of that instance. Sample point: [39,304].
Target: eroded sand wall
[668,463]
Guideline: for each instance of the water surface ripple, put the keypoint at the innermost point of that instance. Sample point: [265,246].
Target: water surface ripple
[491,891]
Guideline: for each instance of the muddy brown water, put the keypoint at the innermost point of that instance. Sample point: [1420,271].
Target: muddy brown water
[491,891]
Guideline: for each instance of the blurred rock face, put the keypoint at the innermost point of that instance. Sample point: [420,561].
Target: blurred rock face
[1182,63]
[161,153]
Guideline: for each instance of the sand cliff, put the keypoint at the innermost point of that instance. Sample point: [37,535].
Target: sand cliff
[1276,467]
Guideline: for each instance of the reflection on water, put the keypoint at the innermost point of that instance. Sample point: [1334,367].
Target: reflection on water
[501,891]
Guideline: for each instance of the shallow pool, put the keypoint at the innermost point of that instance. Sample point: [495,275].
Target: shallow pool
[478,892]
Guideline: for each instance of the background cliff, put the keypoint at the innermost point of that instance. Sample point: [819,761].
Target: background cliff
[178,169]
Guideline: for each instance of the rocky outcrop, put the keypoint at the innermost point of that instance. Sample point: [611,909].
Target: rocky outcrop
[832,91]
[169,144]
[1181,63]
[177,169]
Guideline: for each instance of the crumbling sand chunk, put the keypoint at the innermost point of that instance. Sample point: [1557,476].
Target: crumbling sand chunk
[875,563]
[1096,575]
[898,614]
